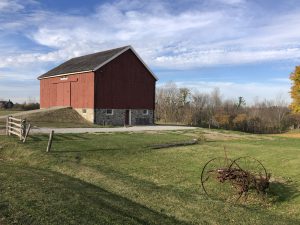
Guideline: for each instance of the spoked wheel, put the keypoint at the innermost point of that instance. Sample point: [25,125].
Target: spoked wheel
[257,177]
[254,166]
[214,182]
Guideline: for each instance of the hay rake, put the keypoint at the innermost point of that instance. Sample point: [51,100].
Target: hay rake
[229,180]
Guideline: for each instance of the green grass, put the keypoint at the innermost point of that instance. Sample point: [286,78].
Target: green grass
[117,179]
[4,112]
[60,118]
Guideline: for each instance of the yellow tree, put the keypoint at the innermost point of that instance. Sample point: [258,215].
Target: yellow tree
[295,90]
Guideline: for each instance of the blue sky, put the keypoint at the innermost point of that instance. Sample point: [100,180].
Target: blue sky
[244,47]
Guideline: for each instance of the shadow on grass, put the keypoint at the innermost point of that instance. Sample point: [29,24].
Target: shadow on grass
[281,192]
[60,199]
[58,137]
[56,151]
[69,137]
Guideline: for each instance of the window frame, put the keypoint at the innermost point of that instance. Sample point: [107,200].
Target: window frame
[147,112]
[109,114]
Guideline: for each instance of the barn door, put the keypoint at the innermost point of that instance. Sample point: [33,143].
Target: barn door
[60,94]
[127,117]
[63,97]
[67,94]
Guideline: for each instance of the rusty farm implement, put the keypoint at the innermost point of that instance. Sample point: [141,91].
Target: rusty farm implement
[231,180]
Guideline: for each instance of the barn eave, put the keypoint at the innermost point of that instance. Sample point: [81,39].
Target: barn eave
[65,74]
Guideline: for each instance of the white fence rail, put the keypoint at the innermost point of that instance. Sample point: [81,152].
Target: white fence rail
[15,126]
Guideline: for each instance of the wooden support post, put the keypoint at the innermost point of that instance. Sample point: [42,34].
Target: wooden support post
[7,125]
[50,141]
[8,128]
[21,132]
[23,129]
[27,132]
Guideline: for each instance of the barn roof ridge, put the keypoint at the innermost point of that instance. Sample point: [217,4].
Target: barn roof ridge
[105,51]
[90,63]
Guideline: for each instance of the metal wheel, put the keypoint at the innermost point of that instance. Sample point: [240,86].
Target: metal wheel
[253,165]
[214,182]
[257,178]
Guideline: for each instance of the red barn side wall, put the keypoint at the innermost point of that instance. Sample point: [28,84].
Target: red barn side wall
[77,91]
[124,83]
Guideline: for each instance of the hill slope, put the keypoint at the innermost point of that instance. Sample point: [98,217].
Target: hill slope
[54,117]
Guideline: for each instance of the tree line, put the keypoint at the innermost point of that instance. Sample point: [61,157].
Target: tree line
[181,105]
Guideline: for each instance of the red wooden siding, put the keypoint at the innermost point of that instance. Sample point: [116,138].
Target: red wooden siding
[77,91]
[124,83]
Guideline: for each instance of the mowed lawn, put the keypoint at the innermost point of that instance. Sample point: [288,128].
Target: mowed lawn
[4,112]
[117,178]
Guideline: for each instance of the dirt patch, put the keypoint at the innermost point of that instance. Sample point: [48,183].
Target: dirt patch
[290,135]
[213,135]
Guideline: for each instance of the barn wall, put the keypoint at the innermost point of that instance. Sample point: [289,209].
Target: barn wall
[77,91]
[124,83]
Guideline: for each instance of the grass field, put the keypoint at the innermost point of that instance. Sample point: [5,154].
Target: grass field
[4,112]
[65,117]
[117,178]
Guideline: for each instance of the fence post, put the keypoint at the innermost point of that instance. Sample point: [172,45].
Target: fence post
[23,129]
[7,125]
[50,141]
[27,132]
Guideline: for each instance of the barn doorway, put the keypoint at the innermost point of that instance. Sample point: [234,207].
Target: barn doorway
[127,117]
[63,94]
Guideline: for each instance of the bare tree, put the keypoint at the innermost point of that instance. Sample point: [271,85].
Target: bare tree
[281,110]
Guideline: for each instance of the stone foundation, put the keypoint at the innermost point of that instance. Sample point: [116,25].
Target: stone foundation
[138,118]
[88,114]
[118,118]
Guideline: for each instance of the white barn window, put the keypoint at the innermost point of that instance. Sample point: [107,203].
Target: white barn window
[145,112]
[109,112]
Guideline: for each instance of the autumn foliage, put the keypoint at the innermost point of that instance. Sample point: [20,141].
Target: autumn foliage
[182,105]
[295,90]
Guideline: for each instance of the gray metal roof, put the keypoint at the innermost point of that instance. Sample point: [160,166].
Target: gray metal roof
[85,63]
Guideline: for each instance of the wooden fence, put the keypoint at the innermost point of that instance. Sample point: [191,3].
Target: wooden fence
[17,127]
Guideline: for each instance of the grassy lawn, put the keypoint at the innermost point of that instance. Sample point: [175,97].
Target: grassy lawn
[4,112]
[118,179]
[60,118]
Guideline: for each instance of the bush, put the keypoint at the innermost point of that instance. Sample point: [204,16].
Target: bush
[26,106]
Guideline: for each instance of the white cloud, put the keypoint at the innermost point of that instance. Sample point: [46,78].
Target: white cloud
[200,58]
[282,80]
[191,38]
[10,5]
[231,2]
[195,36]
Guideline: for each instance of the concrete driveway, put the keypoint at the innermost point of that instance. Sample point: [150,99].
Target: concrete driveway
[106,130]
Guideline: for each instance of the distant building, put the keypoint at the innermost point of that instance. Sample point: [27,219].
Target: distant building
[113,87]
[6,104]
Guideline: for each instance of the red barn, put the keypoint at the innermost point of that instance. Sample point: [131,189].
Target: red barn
[111,87]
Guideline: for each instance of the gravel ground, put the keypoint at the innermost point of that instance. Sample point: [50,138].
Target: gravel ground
[105,130]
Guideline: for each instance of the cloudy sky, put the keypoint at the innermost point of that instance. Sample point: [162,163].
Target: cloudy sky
[245,47]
